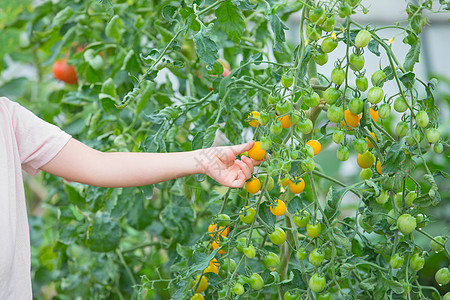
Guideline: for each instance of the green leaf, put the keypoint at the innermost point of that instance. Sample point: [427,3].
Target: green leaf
[373,47]
[62,16]
[206,47]
[278,29]
[104,233]
[210,135]
[333,199]
[114,28]
[231,21]
[369,284]
[341,239]
[95,61]
[266,215]
[14,88]
[397,161]
[412,57]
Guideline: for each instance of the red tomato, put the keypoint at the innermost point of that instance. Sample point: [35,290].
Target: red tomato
[64,72]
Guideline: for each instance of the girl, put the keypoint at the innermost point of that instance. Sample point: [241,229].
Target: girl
[31,144]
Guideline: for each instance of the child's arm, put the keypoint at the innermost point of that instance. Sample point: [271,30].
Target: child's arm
[80,163]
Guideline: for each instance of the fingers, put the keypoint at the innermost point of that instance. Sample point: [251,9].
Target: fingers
[245,169]
[238,149]
[239,182]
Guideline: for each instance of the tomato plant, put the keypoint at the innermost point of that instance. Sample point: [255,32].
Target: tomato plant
[172,76]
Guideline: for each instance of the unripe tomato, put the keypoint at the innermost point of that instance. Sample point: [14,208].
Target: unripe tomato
[238,288]
[438,148]
[253,116]
[253,185]
[417,262]
[312,100]
[256,152]
[362,39]
[278,208]
[64,72]
[224,220]
[406,224]
[202,285]
[229,266]
[366,174]
[274,98]
[328,44]
[264,118]
[305,126]
[301,219]
[330,95]
[320,58]
[435,246]
[278,236]
[266,143]
[270,182]
[375,95]
[338,136]
[360,145]
[329,24]
[287,80]
[421,220]
[432,135]
[308,164]
[391,218]
[362,83]
[316,257]
[344,10]
[446,296]
[250,251]
[400,104]
[271,260]
[296,185]
[356,62]
[317,15]
[256,282]
[384,110]
[397,261]
[302,253]
[378,78]
[383,198]
[313,32]
[241,244]
[324,296]
[283,107]
[317,283]
[247,214]
[365,160]
[313,230]
[343,153]
[337,76]
[291,295]
[422,119]
[276,128]
[307,151]
[442,276]
[412,136]
[335,113]
[401,128]
[356,106]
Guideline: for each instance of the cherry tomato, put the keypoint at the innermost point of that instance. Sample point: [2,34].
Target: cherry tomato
[247,215]
[302,253]
[287,80]
[335,113]
[362,83]
[301,218]
[378,78]
[383,198]
[278,208]
[421,220]
[329,24]
[365,160]
[356,106]
[338,136]
[344,10]
[401,128]
[197,296]
[406,224]
[375,95]
[360,145]
[436,247]
[330,95]
[328,44]
[324,296]
[250,251]
[442,276]
[422,119]
[365,174]
[400,104]
[313,230]
[308,151]
[320,58]
[397,261]
[356,62]
[228,266]
[224,220]
[384,110]
[256,282]
[276,128]
[263,118]
[64,72]
[296,185]
[312,100]
[305,126]
[271,260]
[256,152]
[432,135]
[278,236]
[238,288]
[372,134]
[211,269]
[253,185]
[362,39]
[350,120]
[317,15]
[291,295]
[274,98]
[438,148]
[266,143]
[308,164]
[315,144]
[337,76]
[313,32]
[270,182]
[317,283]
[253,117]
[283,107]
[343,153]
[316,257]
[202,285]
[417,262]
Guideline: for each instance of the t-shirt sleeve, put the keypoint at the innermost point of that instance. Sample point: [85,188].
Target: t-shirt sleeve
[38,141]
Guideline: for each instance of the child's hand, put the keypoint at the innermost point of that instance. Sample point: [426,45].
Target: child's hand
[220,164]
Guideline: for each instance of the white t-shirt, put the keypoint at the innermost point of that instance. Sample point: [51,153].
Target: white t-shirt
[26,142]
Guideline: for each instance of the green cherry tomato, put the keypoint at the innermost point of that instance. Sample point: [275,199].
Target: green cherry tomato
[302,253]
[400,104]
[356,62]
[384,110]
[362,39]
[383,198]
[375,95]
[344,10]
[401,128]
[338,76]
[361,145]
[247,215]
[271,260]
[301,218]
[238,288]
[291,295]
[412,136]
[312,100]
[276,128]
[287,80]
[283,108]
[432,135]
[317,15]
[313,230]
[308,164]
[278,236]
[356,106]
[313,32]
[417,262]
[308,151]
[406,224]
[266,143]
[335,113]
[256,282]
[338,136]
[228,266]
[353,3]
[264,118]
[397,261]
[317,283]
[316,257]
[365,174]
[329,24]
[324,296]
[442,276]
[224,220]
[270,183]
[446,296]
[421,221]
[250,251]
[343,153]
[391,218]
[435,246]
[362,83]
[328,44]
[241,244]
[305,126]
[330,95]
[378,78]
[438,148]
[422,119]
[320,58]
[274,98]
